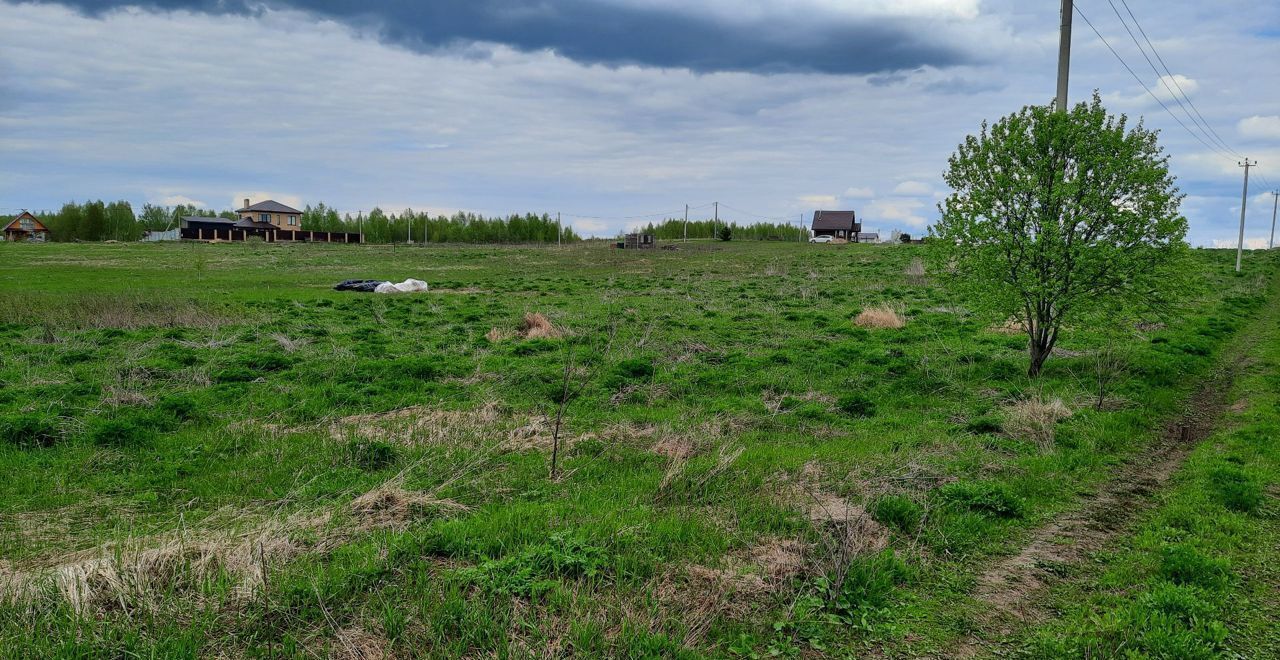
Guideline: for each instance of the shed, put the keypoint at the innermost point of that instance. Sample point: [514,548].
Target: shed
[836,224]
[639,242]
[26,227]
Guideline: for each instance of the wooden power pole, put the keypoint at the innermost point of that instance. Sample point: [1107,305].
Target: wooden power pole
[1244,202]
[1064,55]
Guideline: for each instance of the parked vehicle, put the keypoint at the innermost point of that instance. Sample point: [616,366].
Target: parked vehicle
[820,239]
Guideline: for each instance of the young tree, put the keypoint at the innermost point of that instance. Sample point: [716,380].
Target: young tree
[1059,215]
[725,233]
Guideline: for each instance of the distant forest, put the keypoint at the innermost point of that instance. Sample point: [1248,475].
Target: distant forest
[102,221]
[675,229]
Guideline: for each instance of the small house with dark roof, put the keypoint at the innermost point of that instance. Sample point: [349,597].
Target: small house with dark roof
[271,213]
[837,224]
[26,227]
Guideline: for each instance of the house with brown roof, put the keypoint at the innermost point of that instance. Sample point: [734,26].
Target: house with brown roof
[26,227]
[271,212]
[837,224]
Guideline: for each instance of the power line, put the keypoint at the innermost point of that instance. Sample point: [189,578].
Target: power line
[1204,122]
[1138,78]
[1159,77]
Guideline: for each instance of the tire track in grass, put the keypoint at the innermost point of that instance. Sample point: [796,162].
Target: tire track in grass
[1010,589]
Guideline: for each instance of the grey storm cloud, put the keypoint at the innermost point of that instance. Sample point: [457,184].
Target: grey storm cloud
[613,34]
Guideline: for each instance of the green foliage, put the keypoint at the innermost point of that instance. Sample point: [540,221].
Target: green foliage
[1183,564]
[899,512]
[1056,216]
[29,430]
[121,431]
[372,454]
[993,498]
[725,233]
[538,569]
[1236,489]
[856,405]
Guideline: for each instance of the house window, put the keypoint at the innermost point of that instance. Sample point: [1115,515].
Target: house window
[265,217]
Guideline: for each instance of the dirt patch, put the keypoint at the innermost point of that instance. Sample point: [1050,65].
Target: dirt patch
[1010,589]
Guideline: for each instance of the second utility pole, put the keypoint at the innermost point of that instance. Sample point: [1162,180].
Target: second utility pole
[1064,55]
[1244,201]
[1275,202]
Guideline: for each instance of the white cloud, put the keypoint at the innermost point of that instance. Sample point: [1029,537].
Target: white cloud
[859,193]
[822,202]
[174,200]
[913,189]
[1167,88]
[1260,127]
[896,213]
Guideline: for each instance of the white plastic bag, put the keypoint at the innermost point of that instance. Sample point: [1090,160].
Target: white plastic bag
[408,286]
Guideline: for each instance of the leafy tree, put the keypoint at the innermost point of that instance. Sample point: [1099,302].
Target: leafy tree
[904,238]
[1056,216]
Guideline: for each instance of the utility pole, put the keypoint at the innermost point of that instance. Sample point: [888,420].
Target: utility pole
[559,231]
[1064,55]
[686,223]
[1244,201]
[715,226]
[1275,202]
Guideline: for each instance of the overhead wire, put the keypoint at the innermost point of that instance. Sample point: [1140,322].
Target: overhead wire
[1138,79]
[1203,122]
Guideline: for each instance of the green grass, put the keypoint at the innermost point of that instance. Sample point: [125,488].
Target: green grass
[168,396]
[1198,578]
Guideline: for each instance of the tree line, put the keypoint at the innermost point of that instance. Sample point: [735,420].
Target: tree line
[118,221]
[675,229]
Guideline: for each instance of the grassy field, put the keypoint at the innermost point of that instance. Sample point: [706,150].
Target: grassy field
[208,452]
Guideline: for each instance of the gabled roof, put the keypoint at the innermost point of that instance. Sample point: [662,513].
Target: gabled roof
[25,215]
[269,206]
[827,220]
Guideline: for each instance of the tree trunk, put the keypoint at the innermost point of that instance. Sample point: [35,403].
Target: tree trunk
[1039,353]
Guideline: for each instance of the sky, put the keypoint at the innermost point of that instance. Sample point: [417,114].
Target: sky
[610,112]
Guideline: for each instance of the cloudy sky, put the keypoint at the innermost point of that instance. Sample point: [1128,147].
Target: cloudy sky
[608,111]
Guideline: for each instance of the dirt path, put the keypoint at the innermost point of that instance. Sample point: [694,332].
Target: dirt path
[1011,587]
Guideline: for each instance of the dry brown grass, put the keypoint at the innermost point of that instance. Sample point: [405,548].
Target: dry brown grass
[289,344]
[536,326]
[143,574]
[127,312]
[420,425]
[915,271]
[498,335]
[1035,419]
[391,506]
[881,317]
[1011,326]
